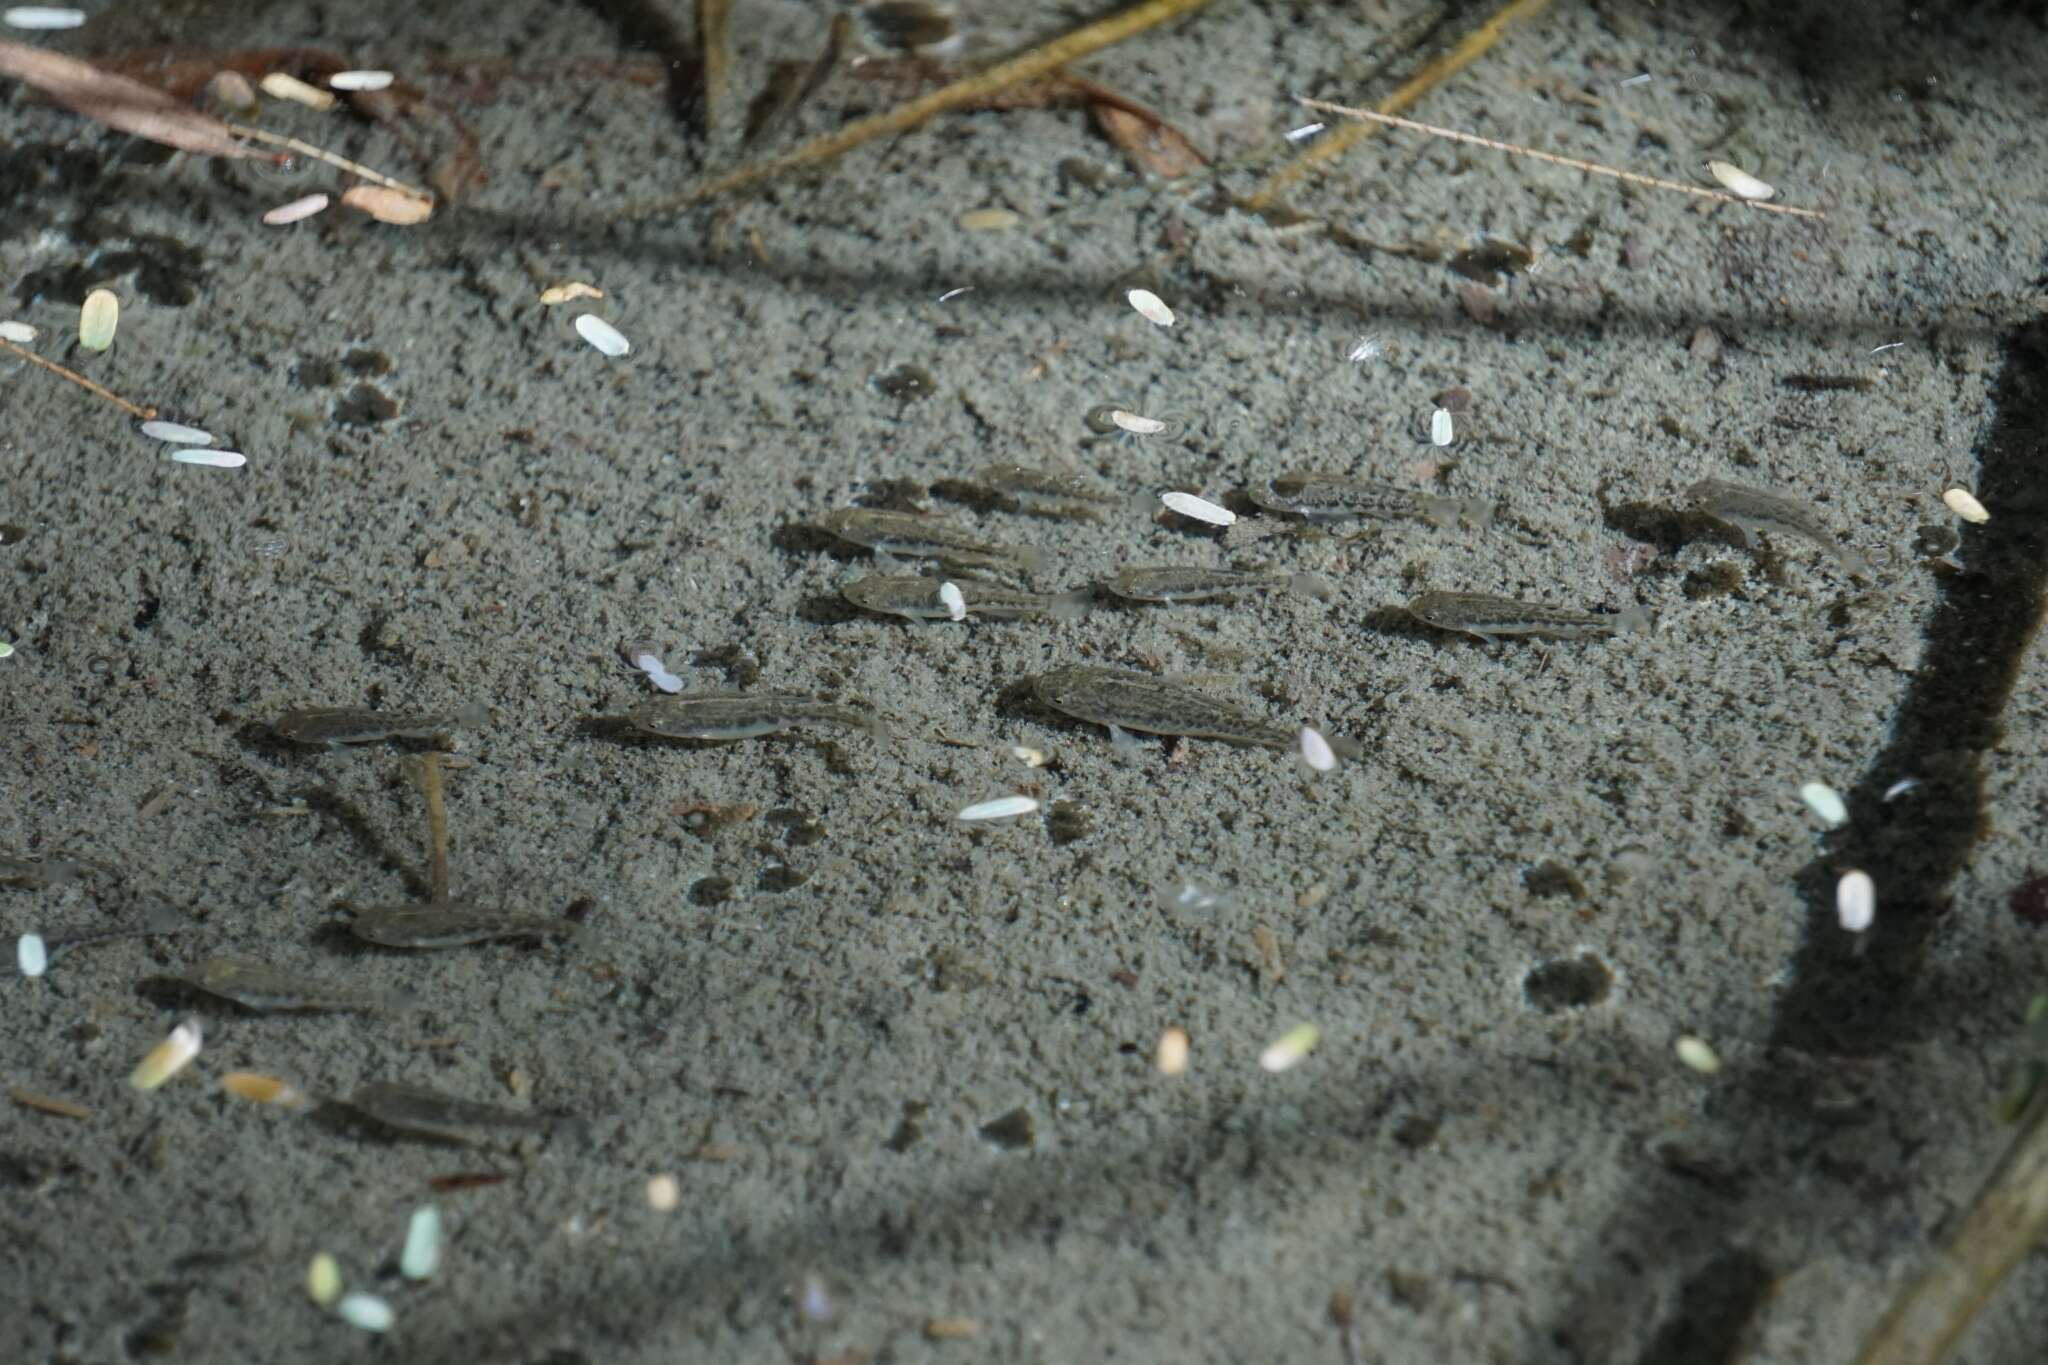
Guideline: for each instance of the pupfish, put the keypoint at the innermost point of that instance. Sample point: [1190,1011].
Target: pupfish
[265,989]
[1190,583]
[917,598]
[1125,700]
[1309,494]
[331,725]
[1750,510]
[1489,617]
[742,715]
[39,873]
[908,536]
[1046,485]
[428,1113]
[450,926]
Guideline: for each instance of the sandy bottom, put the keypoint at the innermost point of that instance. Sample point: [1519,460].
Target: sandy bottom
[902,1069]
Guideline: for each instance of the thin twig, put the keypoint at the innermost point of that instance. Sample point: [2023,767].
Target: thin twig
[1470,48]
[140,414]
[437,827]
[968,90]
[331,158]
[1590,167]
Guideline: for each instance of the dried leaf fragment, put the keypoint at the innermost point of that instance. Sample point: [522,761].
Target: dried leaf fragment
[568,292]
[118,102]
[389,206]
[1154,147]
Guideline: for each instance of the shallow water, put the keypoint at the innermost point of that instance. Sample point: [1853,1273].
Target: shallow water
[802,985]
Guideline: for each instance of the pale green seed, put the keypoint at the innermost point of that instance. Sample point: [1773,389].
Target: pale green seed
[97,320]
[422,1254]
[323,1280]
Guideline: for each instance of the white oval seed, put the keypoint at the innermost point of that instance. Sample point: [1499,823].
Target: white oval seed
[1290,1048]
[18,332]
[608,339]
[664,1193]
[422,1254]
[1697,1054]
[1150,307]
[1136,425]
[97,319]
[365,1311]
[296,210]
[1198,509]
[1440,427]
[1739,182]
[217,459]
[1964,504]
[1826,803]
[43,17]
[1002,808]
[956,605]
[1856,901]
[1316,751]
[359,80]
[1172,1057]
[176,433]
[31,955]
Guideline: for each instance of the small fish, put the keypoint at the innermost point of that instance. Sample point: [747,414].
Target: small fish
[1489,617]
[1310,494]
[1024,481]
[917,598]
[450,926]
[909,536]
[1124,700]
[1189,583]
[332,725]
[264,989]
[741,715]
[39,873]
[1750,510]
[428,1113]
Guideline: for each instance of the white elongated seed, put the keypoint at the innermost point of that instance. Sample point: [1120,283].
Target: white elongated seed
[176,433]
[1440,427]
[31,955]
[1739,182]
[608,339]
[1856,901]
[217,459]
[422,1254]
[1150,307]
[1136,425]
[296,210]
[280,86]
[1287,1051]
[365,1311]
[1002,808]
[1304,132]
[1316,751]
[168,1058]
[1826,803]
[18,332]
[956,605]
[1199,509]
[359,80]
[43,17]
[1964,504]
[97,319]
[1698,1054]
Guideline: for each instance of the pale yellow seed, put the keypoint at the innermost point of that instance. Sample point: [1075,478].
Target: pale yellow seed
[277,85]
[1172,1058]
[258,1088]
[387,205]
[1698,1054]
[167,1058]
[1964,504]
[989,220]
[664,1194]
[951,1329]
[1739,182]
[323,1280]
[1291,1047]
[97,319]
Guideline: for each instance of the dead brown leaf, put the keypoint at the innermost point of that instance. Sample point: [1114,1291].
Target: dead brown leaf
[1154,147]
[118,102]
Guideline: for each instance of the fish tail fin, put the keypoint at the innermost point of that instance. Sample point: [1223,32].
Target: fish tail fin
[1477,513]
[1344,746]
[1032,558]
[474,716]
[1071,606]
[1636,620]
[1311,585]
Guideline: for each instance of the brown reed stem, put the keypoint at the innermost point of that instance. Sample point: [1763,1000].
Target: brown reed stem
[139,413]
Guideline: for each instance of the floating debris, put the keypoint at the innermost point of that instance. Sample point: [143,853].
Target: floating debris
[643,658]
[951,1329]
[18,332]
[1316,751]
[1002,808]
[214,459]
[297,210]
[1739,182]
[1136,425]
[1028,756]
[450,926]
[1489,617]
[1750,510]
[952,294]
[98,316]
[608,339]
[1856,901]
[176,433]
[1290,1048]
[1366,349]
[395,207]
[1440,427]
[908,536]
[1826,803]
[429,1113]
[168,1058]
[1901,787]
[568,291]
[1198,509]
[1304,132]
[332,725]
[1150,307]
[365,1311]
[359,80]
[988,220]
[742,715]
[664,1194]
[422,1254]
[266,990]
[279,85]
[1172,1055]
[1124,700]
[951,599]
[1171,583]
[31,955]
[1698,1054]
[42,18]
[1964,504]
[257,1088]
[323,1280]
[48,1104]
